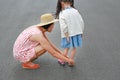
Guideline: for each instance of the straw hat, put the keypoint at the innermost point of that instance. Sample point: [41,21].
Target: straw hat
[46,19]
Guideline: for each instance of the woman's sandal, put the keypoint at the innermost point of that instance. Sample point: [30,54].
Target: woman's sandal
[30,65]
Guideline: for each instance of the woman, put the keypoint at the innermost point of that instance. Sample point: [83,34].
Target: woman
[33,42]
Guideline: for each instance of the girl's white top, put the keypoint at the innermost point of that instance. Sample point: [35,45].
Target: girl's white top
[71,21]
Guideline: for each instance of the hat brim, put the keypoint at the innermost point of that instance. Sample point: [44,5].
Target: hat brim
[43,24]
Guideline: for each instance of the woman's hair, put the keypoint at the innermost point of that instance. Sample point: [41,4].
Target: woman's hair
[46,26]
[59,7]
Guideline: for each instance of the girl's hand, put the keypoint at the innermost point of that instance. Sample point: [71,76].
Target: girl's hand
[68,39]
[67,36]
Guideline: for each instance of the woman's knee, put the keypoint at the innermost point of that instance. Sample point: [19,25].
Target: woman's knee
[38,49]
[41,53]
[38,54]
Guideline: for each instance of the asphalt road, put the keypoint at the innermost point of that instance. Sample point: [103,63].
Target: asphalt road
[98,59]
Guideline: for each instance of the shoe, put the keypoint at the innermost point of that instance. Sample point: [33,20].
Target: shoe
[30,65]
[61,62]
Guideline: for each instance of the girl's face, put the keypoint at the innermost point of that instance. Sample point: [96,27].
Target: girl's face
[51,28]
[62,5]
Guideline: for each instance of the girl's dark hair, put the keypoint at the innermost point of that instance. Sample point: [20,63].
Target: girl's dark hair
[59,7]
[46,26]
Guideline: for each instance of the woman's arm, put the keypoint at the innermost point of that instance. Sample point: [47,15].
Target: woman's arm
[47,46]
[53,45]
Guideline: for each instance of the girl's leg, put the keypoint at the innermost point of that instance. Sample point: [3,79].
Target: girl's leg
[73,51]
[66,52]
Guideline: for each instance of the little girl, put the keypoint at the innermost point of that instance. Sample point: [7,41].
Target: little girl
[71,25]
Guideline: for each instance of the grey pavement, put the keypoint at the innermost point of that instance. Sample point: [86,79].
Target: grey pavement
[98,59]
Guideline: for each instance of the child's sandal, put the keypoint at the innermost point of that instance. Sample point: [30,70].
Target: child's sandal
[61,62]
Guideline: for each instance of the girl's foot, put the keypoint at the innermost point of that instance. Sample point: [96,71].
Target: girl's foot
[61,62]
[30,65]
[71,64]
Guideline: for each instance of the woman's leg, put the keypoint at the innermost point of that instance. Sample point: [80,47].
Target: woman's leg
[29,65]
[39,51]
[38,54]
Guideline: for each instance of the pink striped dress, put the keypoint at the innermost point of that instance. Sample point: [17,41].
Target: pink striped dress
[23,49]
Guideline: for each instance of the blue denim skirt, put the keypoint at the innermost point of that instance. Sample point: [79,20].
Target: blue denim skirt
[75,41]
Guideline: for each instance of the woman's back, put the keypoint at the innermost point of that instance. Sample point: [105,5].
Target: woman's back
[23,42]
